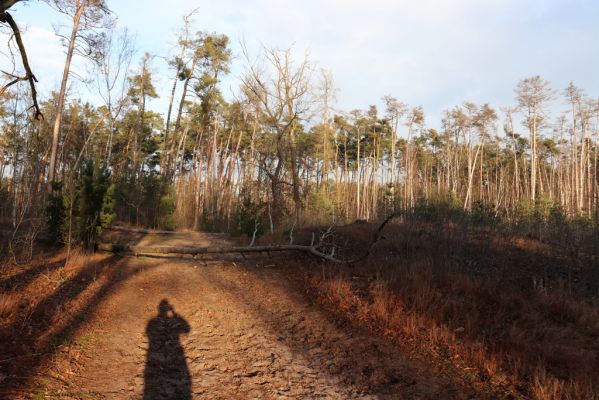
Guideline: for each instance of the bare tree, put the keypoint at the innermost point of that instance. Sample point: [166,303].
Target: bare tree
[141,88]
[395,112]
[282,98]
[533,94]
[415,119]
[178,65]
[111,68]
[87,17]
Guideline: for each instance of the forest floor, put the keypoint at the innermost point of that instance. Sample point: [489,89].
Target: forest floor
[108,327]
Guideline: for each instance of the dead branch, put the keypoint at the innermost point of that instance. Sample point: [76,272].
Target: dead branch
[6,4]
[312,249]
[376,238]
[194,251]
[138,230]
[291,233]
[29,76]
[256,226]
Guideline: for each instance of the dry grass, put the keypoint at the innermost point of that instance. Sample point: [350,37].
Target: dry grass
[26,284]
[523,318]
[39,302]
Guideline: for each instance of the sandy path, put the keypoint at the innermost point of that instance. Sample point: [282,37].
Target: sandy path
[238,330]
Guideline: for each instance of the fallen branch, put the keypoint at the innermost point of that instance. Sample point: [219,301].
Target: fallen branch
[139,230]
[194,251]
[376,238]
[256,226]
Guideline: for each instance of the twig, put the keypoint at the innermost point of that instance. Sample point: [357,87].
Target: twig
[376,238]
[291,232]
[256,225]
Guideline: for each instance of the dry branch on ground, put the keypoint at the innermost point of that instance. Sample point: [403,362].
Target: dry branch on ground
[313,249]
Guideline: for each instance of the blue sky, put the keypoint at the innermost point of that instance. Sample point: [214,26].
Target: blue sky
[434,53]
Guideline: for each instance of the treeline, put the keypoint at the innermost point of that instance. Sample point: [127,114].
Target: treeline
[276,155]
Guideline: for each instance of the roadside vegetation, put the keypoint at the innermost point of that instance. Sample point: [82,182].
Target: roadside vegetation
[490,266]
[514,306]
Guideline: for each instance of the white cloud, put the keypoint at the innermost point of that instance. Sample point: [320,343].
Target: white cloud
[46,54]
[431,52]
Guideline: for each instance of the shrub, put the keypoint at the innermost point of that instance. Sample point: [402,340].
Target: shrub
[55,214]
[166,219]
[107,214]
[321,208]
[482,214]
[147,201]
[92,203]
[249,217]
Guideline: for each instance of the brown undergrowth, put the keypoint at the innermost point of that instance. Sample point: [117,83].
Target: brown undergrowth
[507,311]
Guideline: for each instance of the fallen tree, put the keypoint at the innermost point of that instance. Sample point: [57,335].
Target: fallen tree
[195,251]
[325,248]
[139,230]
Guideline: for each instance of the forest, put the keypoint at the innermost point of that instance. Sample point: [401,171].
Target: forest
[504,196]
[278,151]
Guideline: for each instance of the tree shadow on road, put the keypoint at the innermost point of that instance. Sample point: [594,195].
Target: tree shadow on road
[166,375]
[29,343]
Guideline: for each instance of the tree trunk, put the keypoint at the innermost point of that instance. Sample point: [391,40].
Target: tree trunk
[63,91]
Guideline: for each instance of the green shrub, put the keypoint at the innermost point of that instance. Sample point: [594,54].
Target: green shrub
[148,201]
[249,217]
[167,209]
[107,214]
[91,205]
[320,207]
[55,214]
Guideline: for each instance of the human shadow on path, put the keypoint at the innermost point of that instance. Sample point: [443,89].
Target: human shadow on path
[166,375]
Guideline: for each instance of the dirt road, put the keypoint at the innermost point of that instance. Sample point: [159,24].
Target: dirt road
[184,329]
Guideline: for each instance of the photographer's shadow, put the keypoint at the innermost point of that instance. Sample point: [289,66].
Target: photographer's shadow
[166,375]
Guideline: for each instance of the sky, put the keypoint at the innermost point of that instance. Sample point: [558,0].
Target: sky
[433,53]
